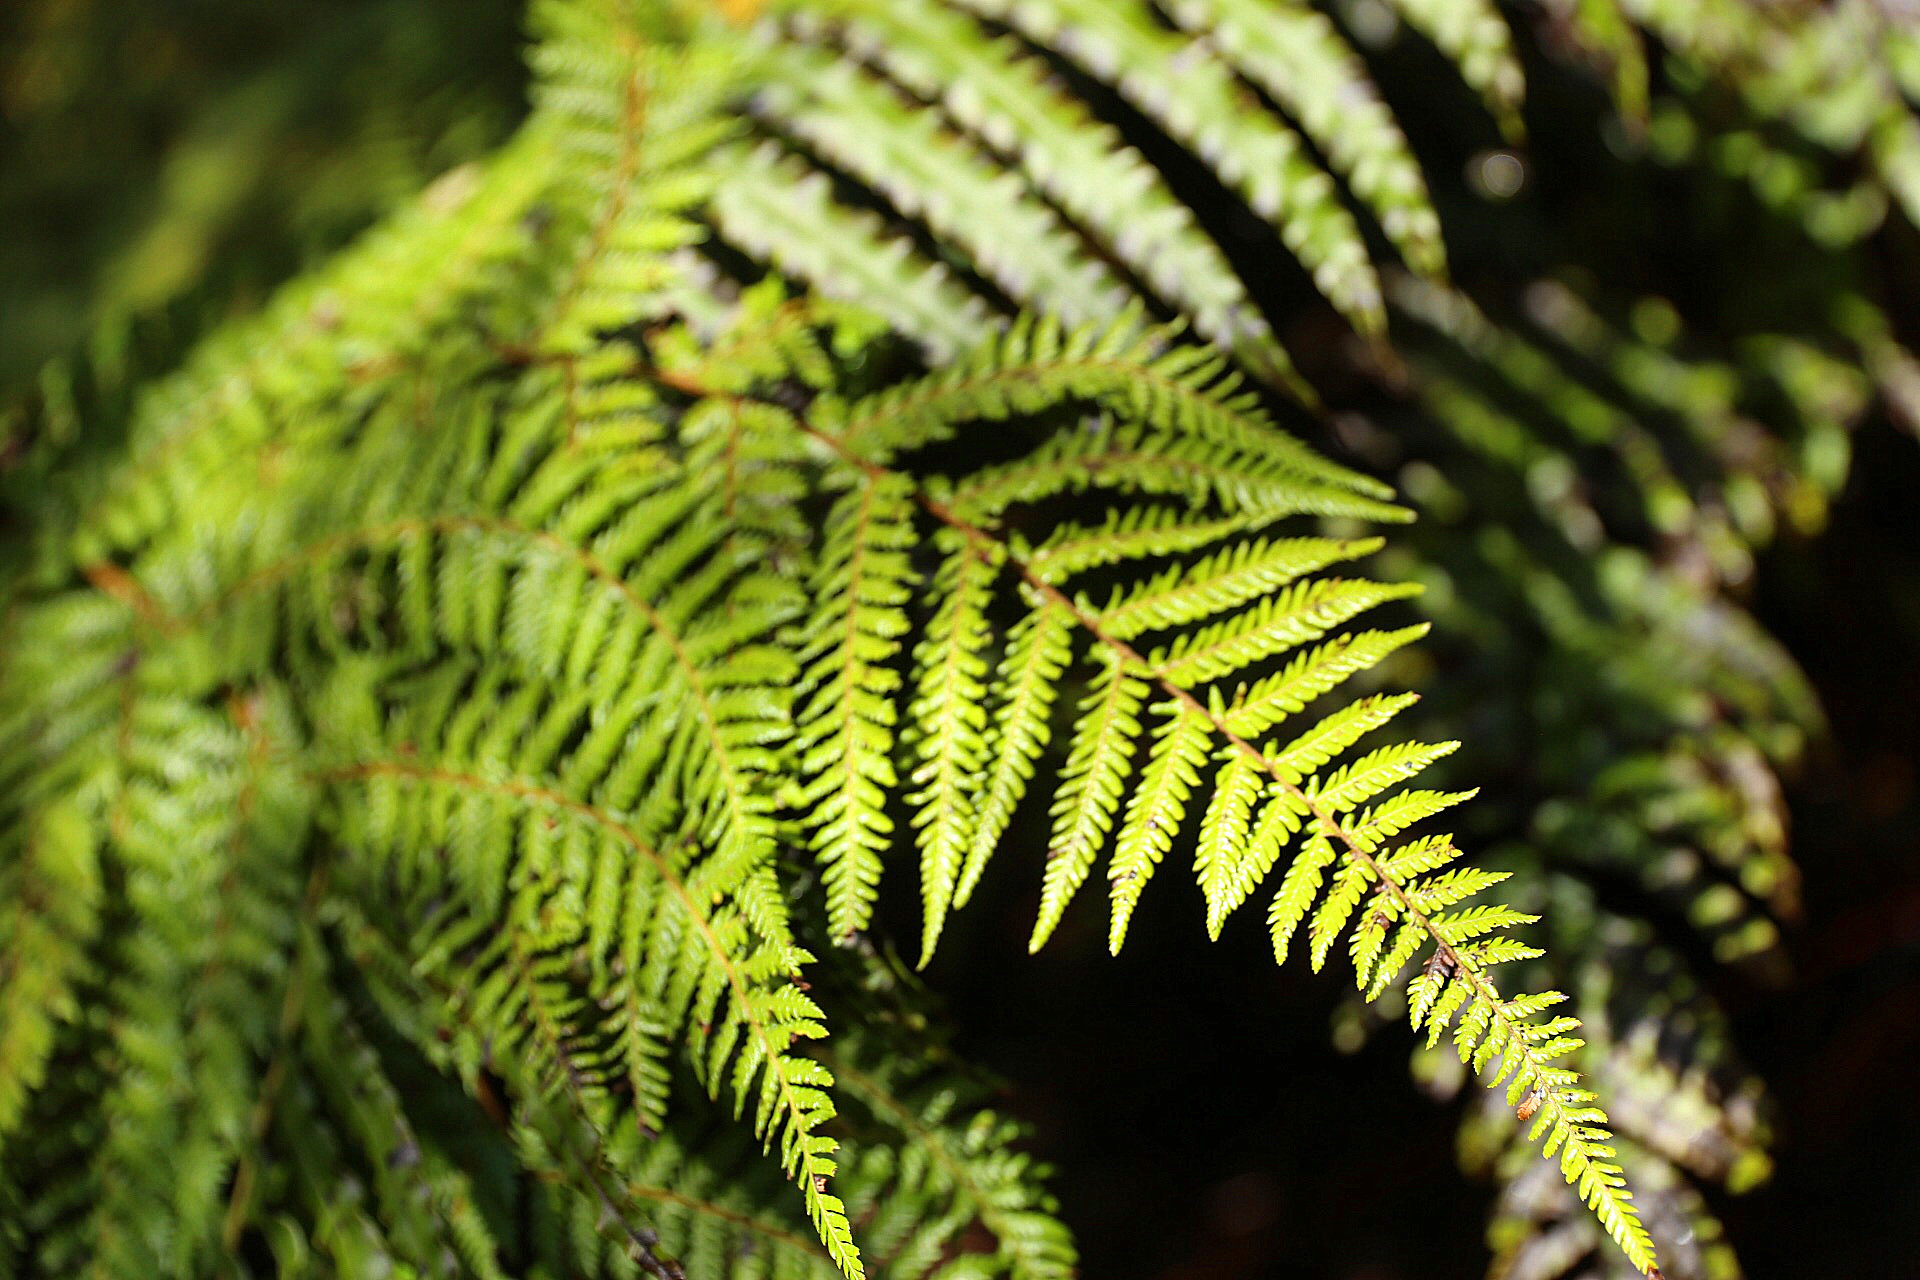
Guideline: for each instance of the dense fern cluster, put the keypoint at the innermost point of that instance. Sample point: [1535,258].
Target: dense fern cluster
[454,742]
[490,665]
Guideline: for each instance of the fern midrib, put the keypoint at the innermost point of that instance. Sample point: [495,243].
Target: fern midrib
[124,587]
[1327,822]
[633,119]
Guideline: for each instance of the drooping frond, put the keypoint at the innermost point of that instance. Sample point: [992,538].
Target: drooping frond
[1208,639]
[948,113]
[1684,1107]
[464,612]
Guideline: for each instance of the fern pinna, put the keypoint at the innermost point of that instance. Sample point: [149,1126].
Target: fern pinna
[418,737]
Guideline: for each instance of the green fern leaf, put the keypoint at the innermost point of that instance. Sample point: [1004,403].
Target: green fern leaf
[951,713]
[1155,810]
[845,724]
[1038,650]
[1092,785]
[1475,38]
[1299,59]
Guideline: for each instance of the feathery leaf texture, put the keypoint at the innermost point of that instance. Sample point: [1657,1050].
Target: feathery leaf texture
[536,596]
[946,114]
[1208,635]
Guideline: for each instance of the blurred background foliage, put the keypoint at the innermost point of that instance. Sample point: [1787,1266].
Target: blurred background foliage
[186,155]
[1660,436]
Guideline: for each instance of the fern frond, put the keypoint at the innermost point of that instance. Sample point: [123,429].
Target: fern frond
[1011,102]
[952,735]
[1298,57]
[1475,38]
[629,115]
[406,283]
[1022,697]
[1137,377]
[715,961]
[936,114]
[858,124]
[1092,783]
[508,518]
[54,899]
[196,1008]
[1215,623]
[1155,810]
[1186,89]
[611,1185]
[777,209]
[846,715]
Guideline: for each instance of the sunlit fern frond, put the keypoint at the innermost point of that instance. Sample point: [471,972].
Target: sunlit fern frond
[1128,542]
[1686,1108]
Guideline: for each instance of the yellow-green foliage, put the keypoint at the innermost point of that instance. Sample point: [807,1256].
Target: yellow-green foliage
[485,684]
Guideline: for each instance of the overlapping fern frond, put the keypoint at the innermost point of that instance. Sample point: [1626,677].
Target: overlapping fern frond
[1127,545]
[1637,476]
[440,568]
[1005,184]
[433,691]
